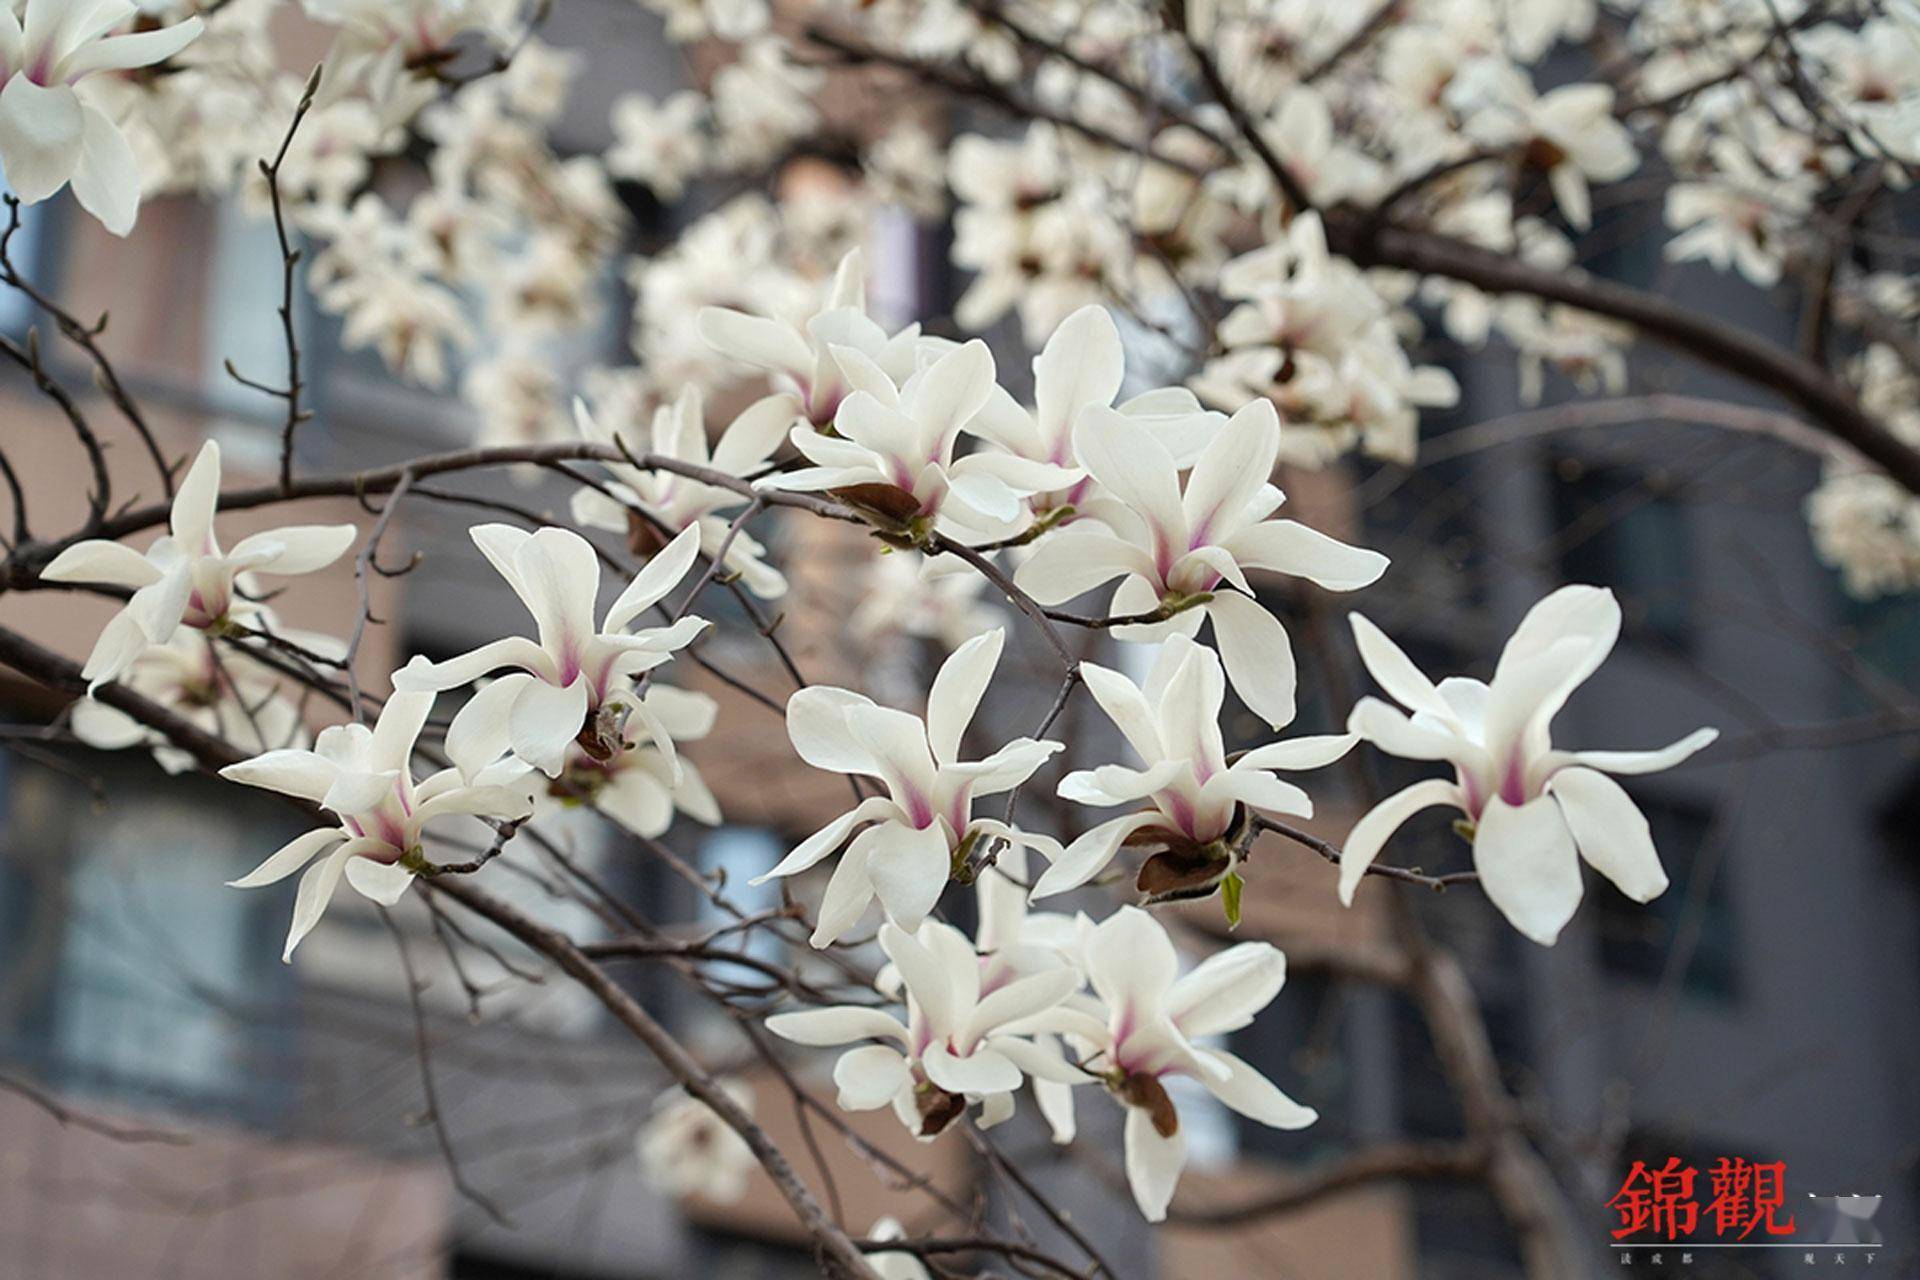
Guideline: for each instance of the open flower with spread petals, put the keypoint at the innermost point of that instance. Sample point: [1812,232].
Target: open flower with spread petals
[1145,1028]
[1198,802]
[894,454]
[799,357]
[1185,552]
[364,777]
[1082,366]
[1532,812]
[910,840]
[51,135]
[574,684]
[960,1044]
[679,431]
[185,578]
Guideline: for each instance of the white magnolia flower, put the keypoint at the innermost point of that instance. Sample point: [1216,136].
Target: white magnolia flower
[185,578]
[1187,550]
[49,134]
[894,454]
[659,144]
[1198,801]
[686,1149]
[960,1044]
[1083,365]
[1569,133]
[1144,1029]
[679,502]
[799,357]
[911,839]
[364,777]
[231,696]
[573,685]
[1528,806]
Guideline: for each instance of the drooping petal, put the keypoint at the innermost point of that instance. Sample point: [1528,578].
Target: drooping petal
[315,892]
[1153,1164]
[106,178]
[41,131]
[1257,654]
[1089,854]
[1256,1097]
[381,882]
[868,1077]
[1258,789]
[292,856]
[1394,732]
[1527,865]
[545,720]
[1610,831]
[1364,842]
[849,892]
[1112,784]
[909,868]
[828,838]
[479,735]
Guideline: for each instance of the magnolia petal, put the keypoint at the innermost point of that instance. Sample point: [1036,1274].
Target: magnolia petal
[315,892]
[290,772]
[1256,1097]
[1127,707]
[849,893]
[1638,762]
[1130,960]
[957,690]
[1393,671]
[1287,546]
[766,344]
[41,132]
[1364,842]
[191,518]
[1113,784]
[1394,732]
[827,838]
[289,858]
[420,675]
[134,49]
[948,392]
[909,868]
[1020,998]
[478,735]
[1257,654]
[99,561]
[1225,990]
[1082,364]
[297,549]
[1088,855]
[1259,789]
[1610,831]
[980,1072]
[545,720]
[838,1024]
[1231,470]
[661,574]
[817,726]
[1311,751]
[1153,1164]
[1527,865]
[869,1077]
[559,578]
[381,882]
[1124,456]
[1074,561]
